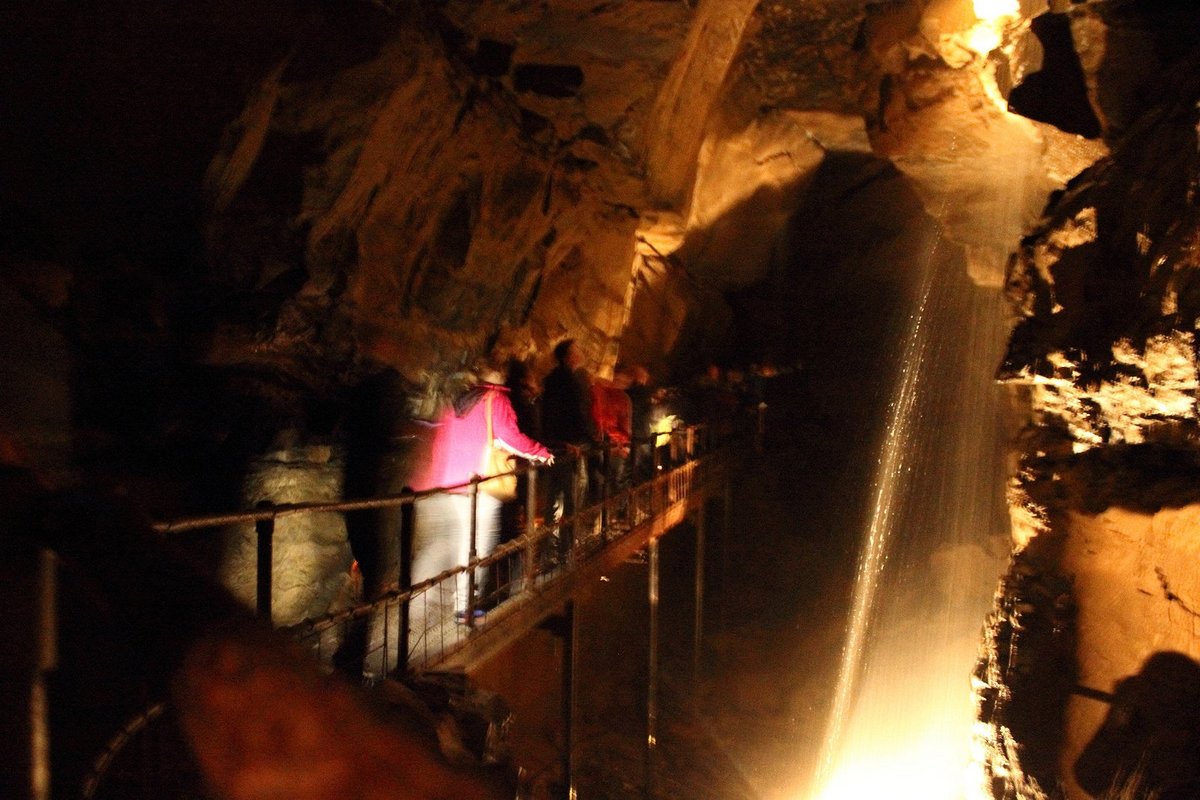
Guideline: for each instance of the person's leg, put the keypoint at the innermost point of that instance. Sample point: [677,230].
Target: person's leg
[435,529]
[487,531]
[434,550]
[562,500]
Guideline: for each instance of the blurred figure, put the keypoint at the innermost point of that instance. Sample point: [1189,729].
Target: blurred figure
[641,401]
[569,429]
[525,394]
[612,411]
[442,535]
[712,403]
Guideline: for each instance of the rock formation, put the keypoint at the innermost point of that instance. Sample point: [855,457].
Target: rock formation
[235,232]
[1104,353]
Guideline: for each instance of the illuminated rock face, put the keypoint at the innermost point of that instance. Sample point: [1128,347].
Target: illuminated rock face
[390,189]
[1108,317]
[416,189]
[1094,628]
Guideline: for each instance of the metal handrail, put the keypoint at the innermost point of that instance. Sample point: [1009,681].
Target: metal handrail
[685,441]
[656,497]
[407,497]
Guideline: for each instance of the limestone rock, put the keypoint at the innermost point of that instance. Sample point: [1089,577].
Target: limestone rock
[1107,335]
[311,565]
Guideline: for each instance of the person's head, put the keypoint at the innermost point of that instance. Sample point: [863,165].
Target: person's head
[567,354]
[486,371]
[517,372]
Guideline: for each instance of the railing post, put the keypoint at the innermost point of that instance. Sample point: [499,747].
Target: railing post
[568,701]
[697,641]
[531,546]
[605,476]
[47,663]
[472,553]
[760,428]
[29,628]
[406,525]
[264,531]
[652,681]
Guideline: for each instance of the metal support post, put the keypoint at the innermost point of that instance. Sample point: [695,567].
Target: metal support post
[531,548]
[726,538]
[568,701]
[652,682]
[264,530]
[697,642]
[472,553]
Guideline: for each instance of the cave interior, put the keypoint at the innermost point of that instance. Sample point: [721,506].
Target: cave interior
[249,249]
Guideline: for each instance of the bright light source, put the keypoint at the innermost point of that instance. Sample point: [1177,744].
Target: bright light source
[983,39]
[989,10]
[911,735]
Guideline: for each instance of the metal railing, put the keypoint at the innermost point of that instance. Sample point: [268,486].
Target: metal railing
[661,471]
[414,627]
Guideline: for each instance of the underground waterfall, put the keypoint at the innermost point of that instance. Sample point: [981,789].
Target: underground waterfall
[933,546]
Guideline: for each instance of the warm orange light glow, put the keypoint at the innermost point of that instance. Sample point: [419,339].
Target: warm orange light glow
[989,10]
[983,38]
[987,34]
[911,740]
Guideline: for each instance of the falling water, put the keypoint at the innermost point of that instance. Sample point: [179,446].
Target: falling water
[902,713]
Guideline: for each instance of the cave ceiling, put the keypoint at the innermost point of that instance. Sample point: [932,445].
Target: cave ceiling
[315,191]
[562,150]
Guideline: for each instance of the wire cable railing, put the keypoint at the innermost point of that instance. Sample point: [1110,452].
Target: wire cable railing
[412,628]
[415,626]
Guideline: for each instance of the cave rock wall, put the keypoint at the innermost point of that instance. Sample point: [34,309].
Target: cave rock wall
[1092,649]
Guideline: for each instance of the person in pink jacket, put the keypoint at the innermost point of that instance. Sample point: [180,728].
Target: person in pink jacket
[442,533]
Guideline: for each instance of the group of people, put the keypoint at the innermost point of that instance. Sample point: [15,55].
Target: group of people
[594,436]
[582,428]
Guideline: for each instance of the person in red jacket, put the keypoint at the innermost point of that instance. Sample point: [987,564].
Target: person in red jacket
[613,415]
[442,533]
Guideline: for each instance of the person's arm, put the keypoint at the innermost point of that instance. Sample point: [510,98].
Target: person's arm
[508,436]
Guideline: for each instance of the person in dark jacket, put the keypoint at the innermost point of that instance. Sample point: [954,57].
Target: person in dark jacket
[640,401]
[569,430]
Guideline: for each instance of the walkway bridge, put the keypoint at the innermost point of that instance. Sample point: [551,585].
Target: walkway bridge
[527,582]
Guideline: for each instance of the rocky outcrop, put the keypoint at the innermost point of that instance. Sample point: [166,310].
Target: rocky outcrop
[311,552]
[1105,339]
[401,187]
[1104,502]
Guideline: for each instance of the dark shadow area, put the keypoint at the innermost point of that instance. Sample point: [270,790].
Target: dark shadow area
[551,80]
[1151,733]
[1056,94]
[492,58]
